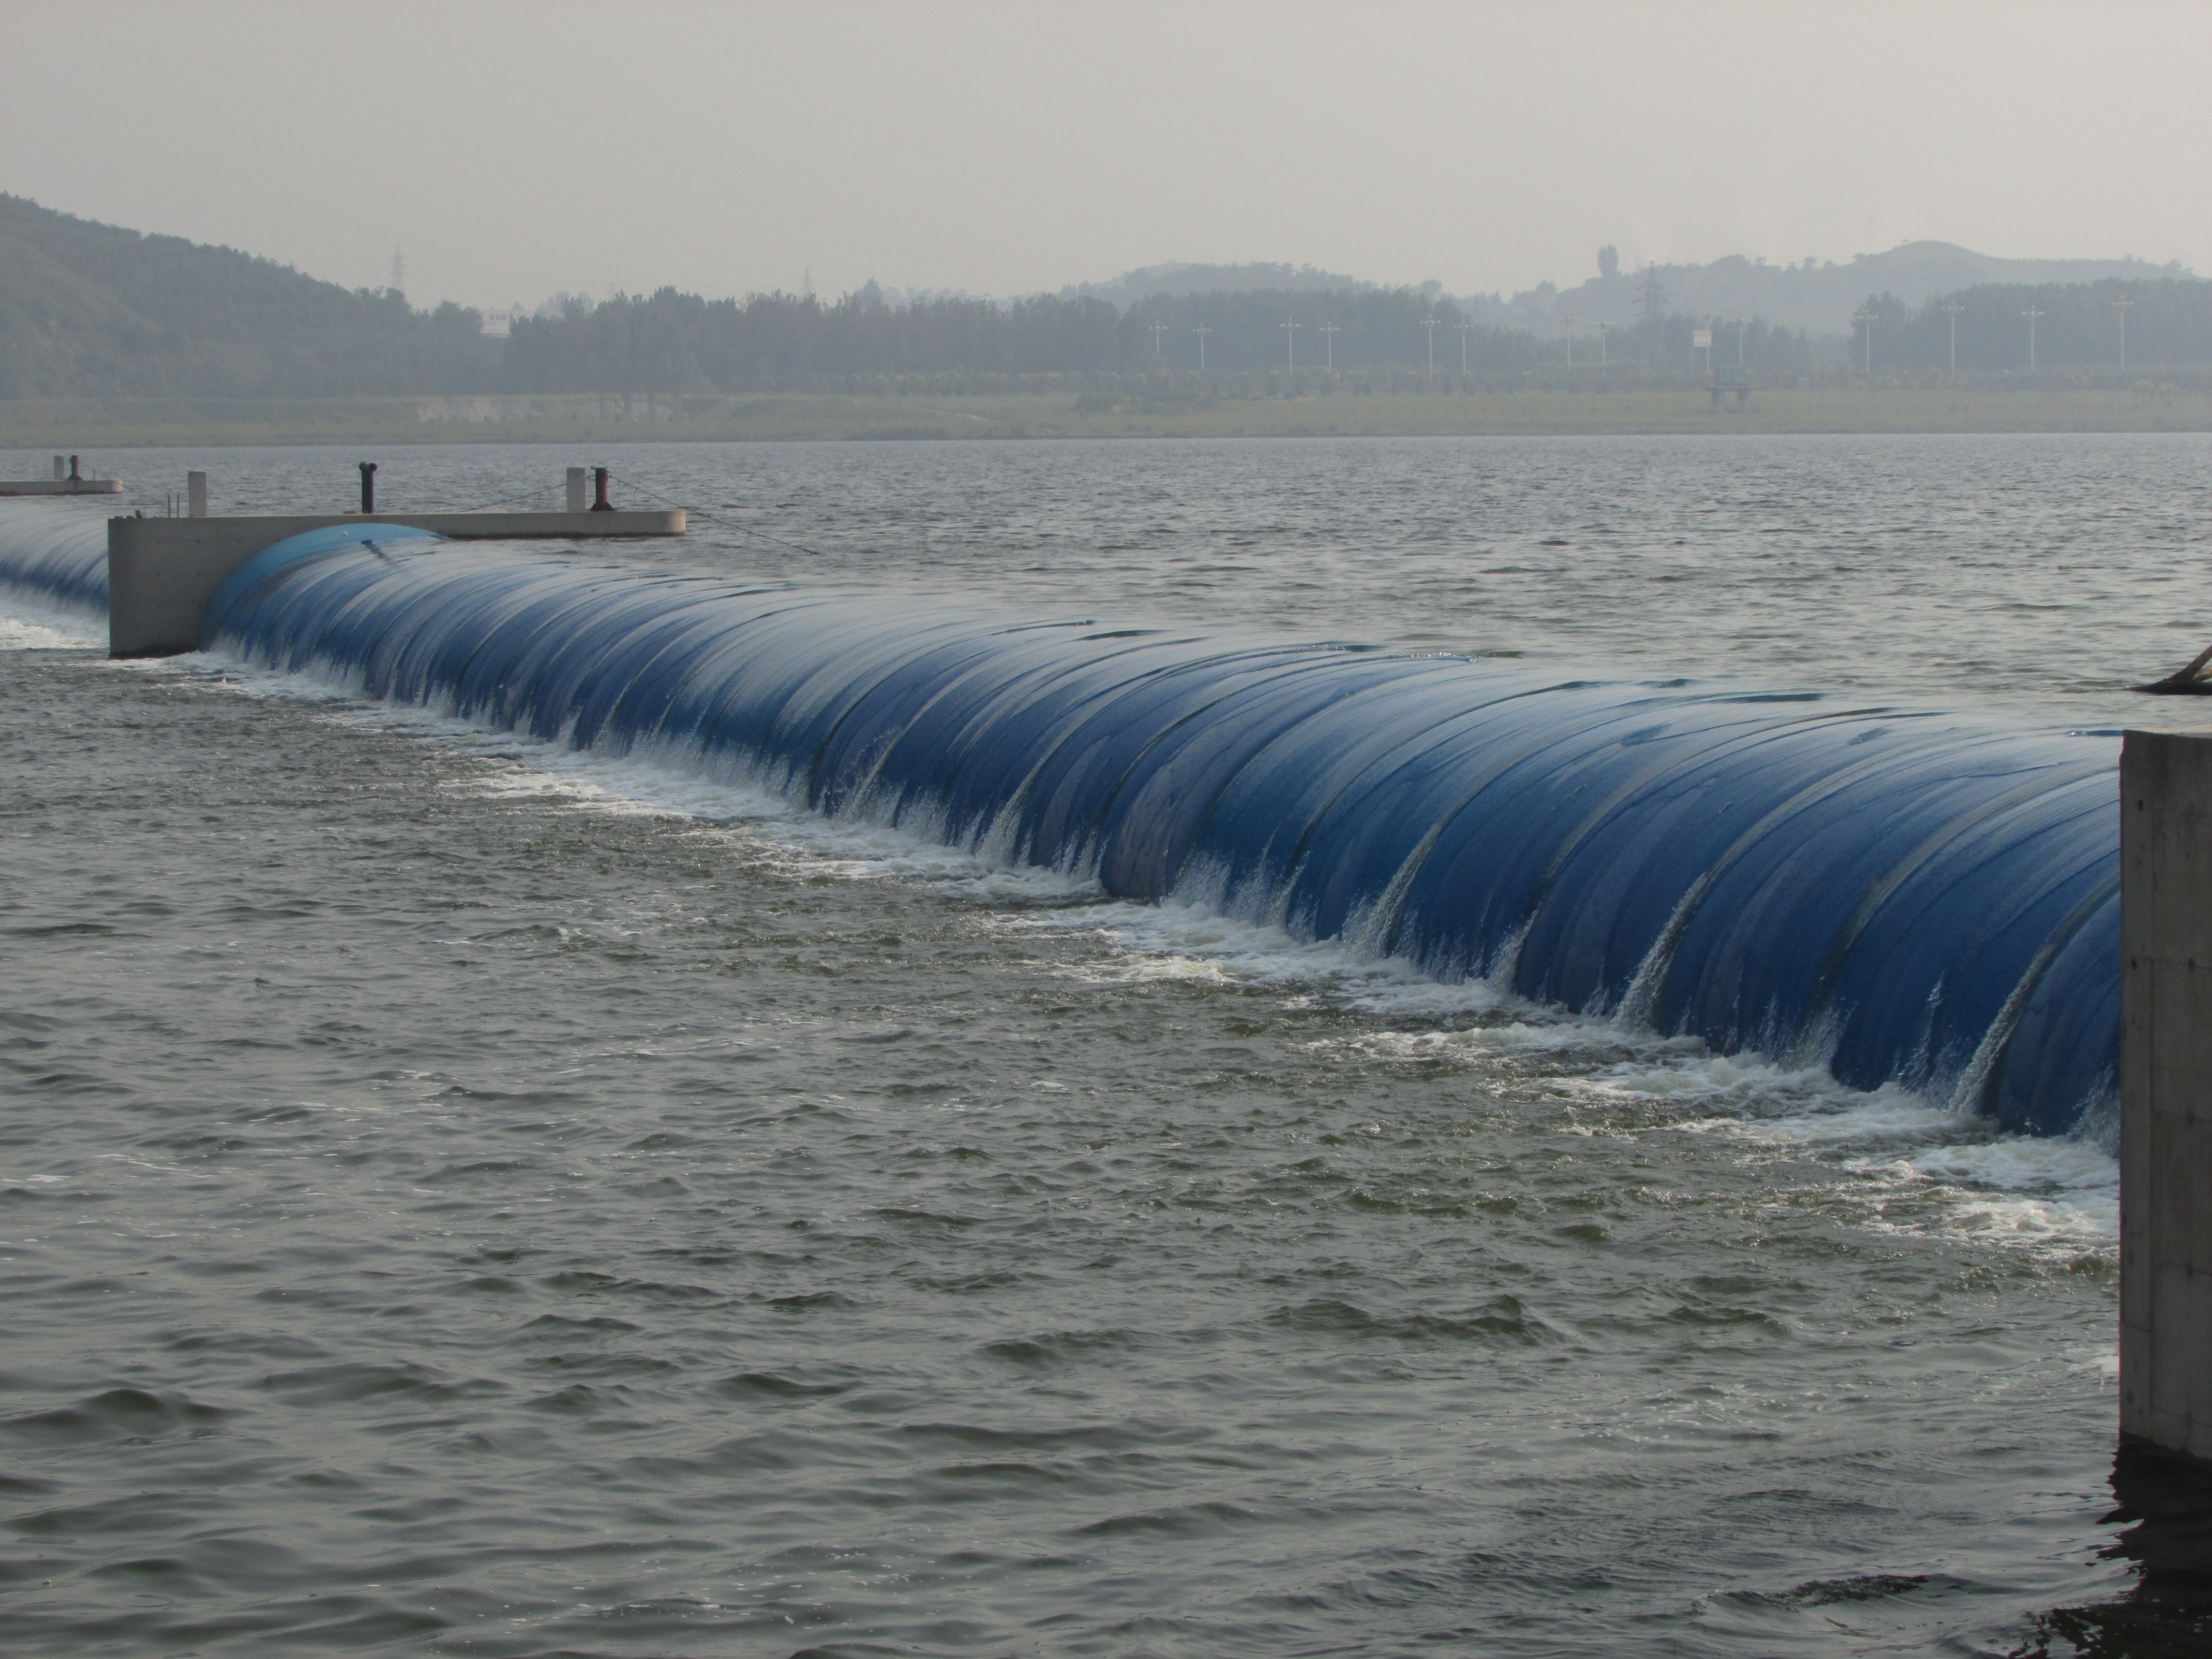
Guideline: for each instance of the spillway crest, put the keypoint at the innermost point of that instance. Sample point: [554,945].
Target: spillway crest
[1909,897]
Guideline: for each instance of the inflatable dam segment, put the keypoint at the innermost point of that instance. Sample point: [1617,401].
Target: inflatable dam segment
[57,552]
[1908,897]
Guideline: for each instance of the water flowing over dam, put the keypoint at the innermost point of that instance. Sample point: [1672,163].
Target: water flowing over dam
[1909,897]
[58,553]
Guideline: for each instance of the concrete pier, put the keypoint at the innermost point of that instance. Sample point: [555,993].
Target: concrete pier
[2166,1093]
[61,486]
[162,572]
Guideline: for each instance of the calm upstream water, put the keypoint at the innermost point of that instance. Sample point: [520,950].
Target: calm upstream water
[459,1196]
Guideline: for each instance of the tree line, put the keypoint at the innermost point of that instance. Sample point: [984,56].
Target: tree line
[673,343]
[670,343]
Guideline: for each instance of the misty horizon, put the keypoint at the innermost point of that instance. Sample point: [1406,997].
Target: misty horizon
[999,149]
[1940,266]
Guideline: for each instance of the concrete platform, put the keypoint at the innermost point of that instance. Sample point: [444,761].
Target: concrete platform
[61,486]
[162,572]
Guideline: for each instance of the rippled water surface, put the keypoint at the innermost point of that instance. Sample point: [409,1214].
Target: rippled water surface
[459,1196]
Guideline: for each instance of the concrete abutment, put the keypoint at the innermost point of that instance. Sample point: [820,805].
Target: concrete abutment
[2166,1094]
[162,572]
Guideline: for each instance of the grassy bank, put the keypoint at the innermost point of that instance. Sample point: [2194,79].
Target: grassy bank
[47,424]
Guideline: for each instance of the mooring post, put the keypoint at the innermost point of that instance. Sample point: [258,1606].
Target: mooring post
[575,489]
[599,487]
[2166,1092]
[367,487]
[72,477]
[196,495]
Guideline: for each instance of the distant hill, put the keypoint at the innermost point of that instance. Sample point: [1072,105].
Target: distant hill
[91,310]
[1819,298]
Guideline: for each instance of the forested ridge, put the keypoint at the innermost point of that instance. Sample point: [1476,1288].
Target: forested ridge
[90,310]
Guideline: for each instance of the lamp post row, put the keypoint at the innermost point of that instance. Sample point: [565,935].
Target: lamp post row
[1866,320]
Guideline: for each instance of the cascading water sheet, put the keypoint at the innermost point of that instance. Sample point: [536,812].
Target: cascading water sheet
[57,551]
[1910,897]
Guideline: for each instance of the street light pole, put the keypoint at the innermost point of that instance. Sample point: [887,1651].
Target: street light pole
[1462,328]
[1201,331]
[1429,322]
[1291,339]
[1954,309]
[1158,329]
[1604,331]
[1867,318]
[1742,323]
[1568,323]
[2031,313]
[2121,306]
[1329,344]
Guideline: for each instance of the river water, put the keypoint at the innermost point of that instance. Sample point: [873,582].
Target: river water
[459,1196]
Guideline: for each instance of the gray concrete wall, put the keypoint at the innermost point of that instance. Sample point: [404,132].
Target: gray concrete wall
[162,572]
[2165,1091]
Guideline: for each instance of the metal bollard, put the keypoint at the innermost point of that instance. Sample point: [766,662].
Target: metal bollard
[599,484]
[368,486]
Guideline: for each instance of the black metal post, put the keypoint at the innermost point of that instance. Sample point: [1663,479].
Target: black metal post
[368,486]
[72,477]
[600,490]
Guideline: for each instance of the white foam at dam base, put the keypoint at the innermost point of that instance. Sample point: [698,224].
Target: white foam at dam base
[27,624]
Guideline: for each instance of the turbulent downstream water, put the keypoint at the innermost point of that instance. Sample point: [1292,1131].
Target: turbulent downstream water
[458,1196]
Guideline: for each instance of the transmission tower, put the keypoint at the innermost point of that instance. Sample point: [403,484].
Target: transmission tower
[1652,296]
[398,270]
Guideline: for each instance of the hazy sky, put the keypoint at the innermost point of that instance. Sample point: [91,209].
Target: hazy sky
[514,148]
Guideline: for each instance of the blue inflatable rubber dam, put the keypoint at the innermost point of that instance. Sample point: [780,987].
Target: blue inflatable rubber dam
[1910,897]
[1906,897]
[57,552]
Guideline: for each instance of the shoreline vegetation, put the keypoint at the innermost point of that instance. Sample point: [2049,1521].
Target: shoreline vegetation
[42,424]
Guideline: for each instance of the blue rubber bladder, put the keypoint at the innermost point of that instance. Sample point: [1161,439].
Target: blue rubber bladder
[57,551]
[1921,899]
